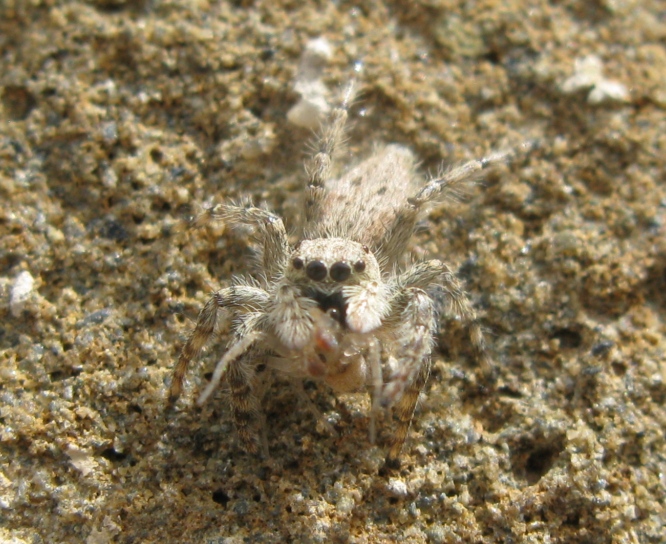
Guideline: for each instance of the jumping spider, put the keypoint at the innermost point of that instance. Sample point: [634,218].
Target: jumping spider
[336,307]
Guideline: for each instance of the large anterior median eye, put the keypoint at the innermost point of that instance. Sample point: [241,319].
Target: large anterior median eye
[340,271]
[316,270]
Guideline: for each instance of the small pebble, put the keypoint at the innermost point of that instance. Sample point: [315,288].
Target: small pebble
[397,488]
[20,292]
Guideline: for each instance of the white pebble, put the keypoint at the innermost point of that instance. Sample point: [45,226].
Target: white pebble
[20,292]
[608,90]
[588,74]
[397,488]
[309,111]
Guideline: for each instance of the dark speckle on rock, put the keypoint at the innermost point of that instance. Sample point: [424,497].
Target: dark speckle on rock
[114,230]
[241,507]
[95,318]
[602,348]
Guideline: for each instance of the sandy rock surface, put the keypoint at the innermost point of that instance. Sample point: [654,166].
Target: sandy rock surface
[119,120]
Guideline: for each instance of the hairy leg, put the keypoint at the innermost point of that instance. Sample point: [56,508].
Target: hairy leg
[376,384]
[435,272]
[269,232]
[448,184]
[413,332]
[238,298]
[404,411]
[244,401]
[410,363]
[450,181]
[318,168]
[233,354]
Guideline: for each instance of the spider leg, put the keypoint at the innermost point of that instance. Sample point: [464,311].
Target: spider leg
[245,409]
[318,168]
[376,383]
[225,364]
[239,366]
[410,366]
[269,232]
[404,411]
[238,298]
[427,273]
[450,183]
[413,332]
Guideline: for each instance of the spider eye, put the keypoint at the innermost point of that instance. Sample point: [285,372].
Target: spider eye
[297,263]
[340,271]
[316,270]
[359,266]
[366,249]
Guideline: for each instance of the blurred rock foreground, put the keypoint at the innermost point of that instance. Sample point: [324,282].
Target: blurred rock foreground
[119,120]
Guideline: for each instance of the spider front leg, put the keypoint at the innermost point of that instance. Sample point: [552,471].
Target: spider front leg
[435,272]
[238,365]
[244,401]
[404,411]
[415,322]
[238,299]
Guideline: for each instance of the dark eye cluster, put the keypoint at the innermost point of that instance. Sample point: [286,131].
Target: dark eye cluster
[317,271]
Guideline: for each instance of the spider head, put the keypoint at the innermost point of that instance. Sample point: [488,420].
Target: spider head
[328,264]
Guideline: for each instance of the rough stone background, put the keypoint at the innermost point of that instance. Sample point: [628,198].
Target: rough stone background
[119,119]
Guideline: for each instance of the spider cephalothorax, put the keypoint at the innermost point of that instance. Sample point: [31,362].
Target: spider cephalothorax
[336,307]
[341,275]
